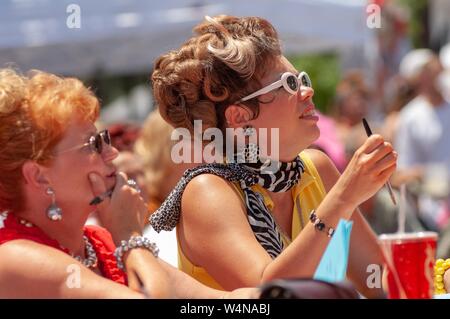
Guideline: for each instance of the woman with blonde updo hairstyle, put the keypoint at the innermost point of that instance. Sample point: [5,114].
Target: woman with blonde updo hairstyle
[55,170]
[239,224]
[207,76]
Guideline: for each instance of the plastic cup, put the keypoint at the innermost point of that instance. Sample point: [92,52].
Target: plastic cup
[410,261]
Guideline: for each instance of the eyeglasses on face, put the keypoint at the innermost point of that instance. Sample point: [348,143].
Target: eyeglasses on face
[96,142]
[289,81]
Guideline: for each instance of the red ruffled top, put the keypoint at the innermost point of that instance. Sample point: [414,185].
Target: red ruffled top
[11,228]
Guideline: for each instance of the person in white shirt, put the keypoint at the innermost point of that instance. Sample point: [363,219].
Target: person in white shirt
[422,137]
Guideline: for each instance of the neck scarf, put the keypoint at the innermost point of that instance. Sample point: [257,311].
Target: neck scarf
[281,179]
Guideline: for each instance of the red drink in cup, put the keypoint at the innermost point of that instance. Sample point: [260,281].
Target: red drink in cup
[410,260]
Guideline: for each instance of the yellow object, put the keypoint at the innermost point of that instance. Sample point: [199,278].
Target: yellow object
[311,191]
[440,291]
[440,267]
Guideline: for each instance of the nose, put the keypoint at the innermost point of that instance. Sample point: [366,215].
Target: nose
[306,93]
[109,153]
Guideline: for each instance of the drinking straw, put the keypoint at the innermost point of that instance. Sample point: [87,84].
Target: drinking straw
[402,210]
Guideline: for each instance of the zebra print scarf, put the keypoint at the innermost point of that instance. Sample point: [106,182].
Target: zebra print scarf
[283,178]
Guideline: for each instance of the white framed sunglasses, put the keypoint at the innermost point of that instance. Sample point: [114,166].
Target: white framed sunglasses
[289,81]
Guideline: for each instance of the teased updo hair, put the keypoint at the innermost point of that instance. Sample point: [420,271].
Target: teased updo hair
[221,64]
[35,111]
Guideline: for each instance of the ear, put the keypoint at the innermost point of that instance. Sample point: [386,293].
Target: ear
[237,116]
[34,175]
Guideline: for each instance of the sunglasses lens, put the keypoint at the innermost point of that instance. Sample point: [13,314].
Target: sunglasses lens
[292,82]
[106,137]
[305,80]
[97,141]
[98,144]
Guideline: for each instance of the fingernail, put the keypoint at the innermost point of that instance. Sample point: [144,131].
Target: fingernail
[92,178]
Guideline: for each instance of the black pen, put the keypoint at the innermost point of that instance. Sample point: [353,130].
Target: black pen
[388,184]
[98,199]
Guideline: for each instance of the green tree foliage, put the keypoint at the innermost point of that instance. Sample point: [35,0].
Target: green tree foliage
[324,71]
[417,22]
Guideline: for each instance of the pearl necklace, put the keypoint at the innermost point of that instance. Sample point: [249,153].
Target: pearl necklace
[89,262]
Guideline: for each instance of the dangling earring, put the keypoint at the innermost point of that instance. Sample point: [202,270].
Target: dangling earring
[251,150]
[249,130]
[54,213]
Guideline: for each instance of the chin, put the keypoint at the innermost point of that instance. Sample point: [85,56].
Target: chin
[316,134]
[310,136]
[308,142]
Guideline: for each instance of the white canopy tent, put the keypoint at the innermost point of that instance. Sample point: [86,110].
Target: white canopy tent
[124,36]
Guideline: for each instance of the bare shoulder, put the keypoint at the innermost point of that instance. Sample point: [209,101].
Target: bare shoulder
[32,270]
[24,256]
[318,157]
[211,204]
[23,248]
[325,167]
[209,193]
[209,182]
[26,265]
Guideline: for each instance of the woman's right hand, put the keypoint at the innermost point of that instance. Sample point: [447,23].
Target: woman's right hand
[122,213]
[368,170]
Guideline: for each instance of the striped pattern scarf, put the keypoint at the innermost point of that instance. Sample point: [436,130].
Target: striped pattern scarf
[280,179]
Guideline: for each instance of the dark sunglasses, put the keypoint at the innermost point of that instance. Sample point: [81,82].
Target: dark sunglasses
[96,142]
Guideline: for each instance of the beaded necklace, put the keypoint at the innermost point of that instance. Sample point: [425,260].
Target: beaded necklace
[89,262]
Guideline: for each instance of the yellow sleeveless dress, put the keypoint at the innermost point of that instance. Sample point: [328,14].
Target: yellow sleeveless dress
[306,195]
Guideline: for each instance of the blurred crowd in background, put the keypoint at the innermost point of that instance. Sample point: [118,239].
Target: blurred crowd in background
[404,94]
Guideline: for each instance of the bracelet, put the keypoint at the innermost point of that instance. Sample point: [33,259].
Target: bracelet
[134,242]
[440,268]
[319,224]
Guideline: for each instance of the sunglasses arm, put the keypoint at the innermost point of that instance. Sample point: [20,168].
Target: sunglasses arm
[262,91]
[74,148]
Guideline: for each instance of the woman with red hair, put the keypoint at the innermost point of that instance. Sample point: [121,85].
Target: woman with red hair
[55,170]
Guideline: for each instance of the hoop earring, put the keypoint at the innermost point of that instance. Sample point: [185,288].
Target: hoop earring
[54,213]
